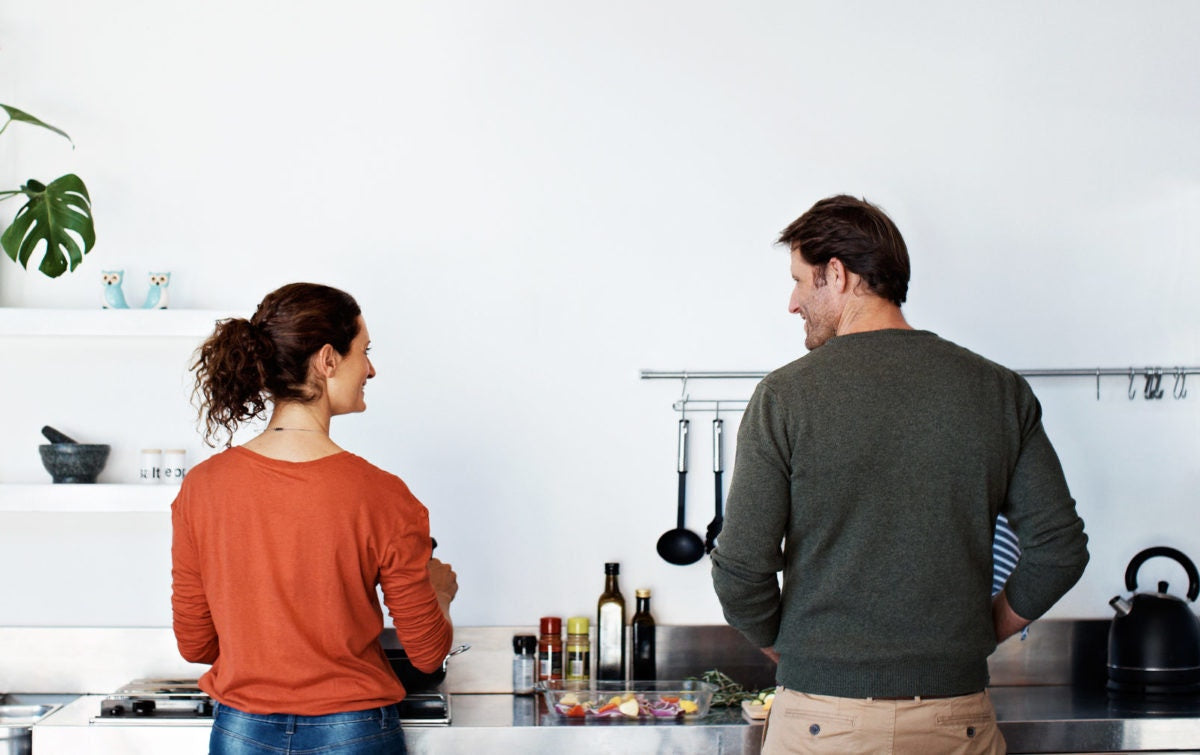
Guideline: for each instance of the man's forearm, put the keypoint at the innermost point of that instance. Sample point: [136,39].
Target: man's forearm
[750,602]
[1005,620]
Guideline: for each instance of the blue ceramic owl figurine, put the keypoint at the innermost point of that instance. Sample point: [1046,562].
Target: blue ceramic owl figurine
[114,297]
[156,298]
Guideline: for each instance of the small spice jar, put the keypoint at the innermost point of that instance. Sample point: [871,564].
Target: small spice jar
[174,465]
[579,650]
[524,663]
[550,650]
[150,469]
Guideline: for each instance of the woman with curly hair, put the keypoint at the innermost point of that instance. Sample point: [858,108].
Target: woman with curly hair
[280,543]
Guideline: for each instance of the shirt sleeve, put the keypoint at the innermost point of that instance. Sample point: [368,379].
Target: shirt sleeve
[1042,513]
[410,598]
[749,552]
[195,633]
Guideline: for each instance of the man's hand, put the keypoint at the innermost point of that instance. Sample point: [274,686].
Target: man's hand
[1005,620]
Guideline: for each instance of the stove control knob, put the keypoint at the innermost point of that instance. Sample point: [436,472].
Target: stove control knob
[143,707]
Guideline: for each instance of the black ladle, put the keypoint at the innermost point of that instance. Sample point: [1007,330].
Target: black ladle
[681,546]
[714,527]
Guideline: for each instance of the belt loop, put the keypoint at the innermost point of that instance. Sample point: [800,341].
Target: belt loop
[291,725]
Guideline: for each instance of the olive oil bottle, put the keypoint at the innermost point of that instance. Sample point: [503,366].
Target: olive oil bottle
[645,661]
[610,628]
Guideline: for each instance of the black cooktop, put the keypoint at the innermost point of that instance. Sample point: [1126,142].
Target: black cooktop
[158,698]
[183,699]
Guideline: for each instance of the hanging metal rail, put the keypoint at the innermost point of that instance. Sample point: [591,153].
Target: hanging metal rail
[1151,390]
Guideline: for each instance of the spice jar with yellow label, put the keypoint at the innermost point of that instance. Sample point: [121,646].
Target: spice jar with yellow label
[579,650]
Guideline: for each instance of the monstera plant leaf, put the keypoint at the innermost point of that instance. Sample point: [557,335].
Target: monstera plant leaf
[58,215]
[22,117]
[55,214]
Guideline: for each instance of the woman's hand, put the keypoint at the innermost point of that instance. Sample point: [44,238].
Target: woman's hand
[444,580]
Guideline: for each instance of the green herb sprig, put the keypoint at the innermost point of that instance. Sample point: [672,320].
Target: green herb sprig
[729,693]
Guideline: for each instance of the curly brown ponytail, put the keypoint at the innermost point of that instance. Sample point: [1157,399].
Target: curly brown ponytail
[245,364]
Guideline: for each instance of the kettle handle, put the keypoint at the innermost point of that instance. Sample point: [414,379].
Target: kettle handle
[1162,550]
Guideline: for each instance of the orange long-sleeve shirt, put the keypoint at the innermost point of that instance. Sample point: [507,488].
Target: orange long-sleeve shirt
[274,573]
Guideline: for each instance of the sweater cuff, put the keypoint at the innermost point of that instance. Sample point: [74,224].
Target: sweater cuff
[1032,590]
[750,604]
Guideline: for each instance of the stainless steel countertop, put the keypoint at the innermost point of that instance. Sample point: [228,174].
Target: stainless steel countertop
[1043,719]
[520,723]
[1063,718]
[1038,719]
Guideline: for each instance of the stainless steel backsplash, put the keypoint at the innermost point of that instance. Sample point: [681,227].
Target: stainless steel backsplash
[99,659]
[1055,651]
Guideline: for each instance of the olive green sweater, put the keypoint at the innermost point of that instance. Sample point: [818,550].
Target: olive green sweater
[870,472]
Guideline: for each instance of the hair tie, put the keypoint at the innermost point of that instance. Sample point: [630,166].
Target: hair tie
[260,338]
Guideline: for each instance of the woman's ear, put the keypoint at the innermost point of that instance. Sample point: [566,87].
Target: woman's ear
[325,361]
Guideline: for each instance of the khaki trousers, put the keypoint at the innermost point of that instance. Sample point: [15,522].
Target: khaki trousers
[801,723]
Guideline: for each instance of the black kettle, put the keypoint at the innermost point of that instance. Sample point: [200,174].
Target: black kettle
[1154,640]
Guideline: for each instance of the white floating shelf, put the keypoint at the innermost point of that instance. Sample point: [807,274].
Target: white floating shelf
[191,323]
[98,498]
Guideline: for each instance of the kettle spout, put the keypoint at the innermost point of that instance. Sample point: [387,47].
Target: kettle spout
[1120,605]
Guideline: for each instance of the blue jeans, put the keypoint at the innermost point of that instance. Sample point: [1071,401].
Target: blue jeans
[363,732]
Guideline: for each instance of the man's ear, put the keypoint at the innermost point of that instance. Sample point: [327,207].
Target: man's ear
[837,275]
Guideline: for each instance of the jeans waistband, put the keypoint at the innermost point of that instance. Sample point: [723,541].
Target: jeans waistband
[383,713]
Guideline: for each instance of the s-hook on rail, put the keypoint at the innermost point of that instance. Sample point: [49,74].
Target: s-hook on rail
[1151,390]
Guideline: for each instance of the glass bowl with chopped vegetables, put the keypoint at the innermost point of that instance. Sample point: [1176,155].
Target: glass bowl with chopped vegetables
[617,701]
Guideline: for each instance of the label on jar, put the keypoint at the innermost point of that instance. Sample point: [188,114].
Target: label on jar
[578,663]
[610,644]
[549,665]
[523,674]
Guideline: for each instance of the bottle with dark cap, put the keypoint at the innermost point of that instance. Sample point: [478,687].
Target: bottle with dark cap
[645,662]
[524,663]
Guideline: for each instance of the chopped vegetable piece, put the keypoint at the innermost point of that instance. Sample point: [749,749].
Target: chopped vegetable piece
[670,698]
[578,711]
[687,706]
[606,708]
[630,708]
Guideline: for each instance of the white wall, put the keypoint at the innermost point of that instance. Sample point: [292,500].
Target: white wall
[534,200]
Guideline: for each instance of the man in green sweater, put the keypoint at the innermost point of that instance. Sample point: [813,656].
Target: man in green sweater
[871,472]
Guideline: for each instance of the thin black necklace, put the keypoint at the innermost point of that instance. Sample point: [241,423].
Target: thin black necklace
[296,429]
